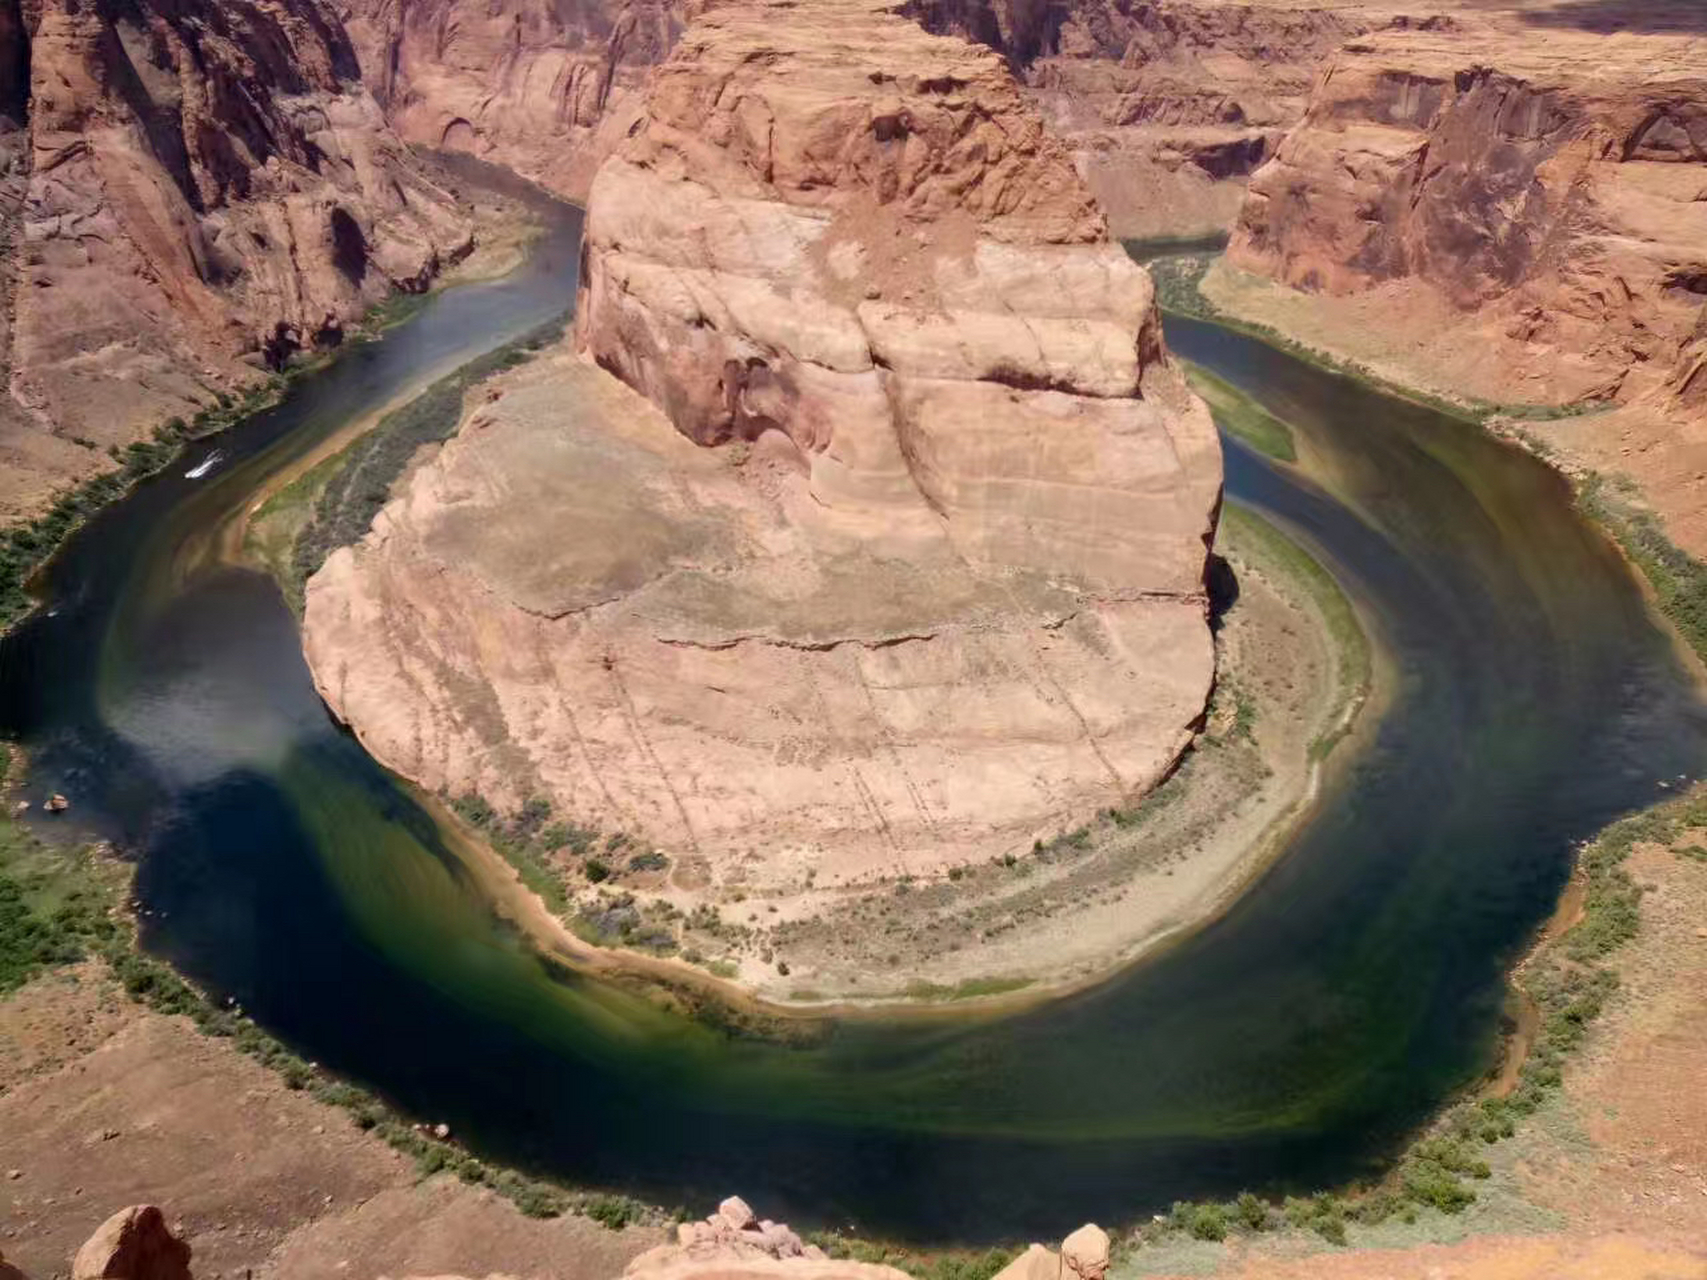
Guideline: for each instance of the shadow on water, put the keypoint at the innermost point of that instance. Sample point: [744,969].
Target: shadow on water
[1293,1042]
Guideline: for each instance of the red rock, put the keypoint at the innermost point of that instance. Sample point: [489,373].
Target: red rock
[133,1244]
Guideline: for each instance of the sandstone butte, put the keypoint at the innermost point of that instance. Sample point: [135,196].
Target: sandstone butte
[1519,212]
[1167,105]
[900,560]
[188,193]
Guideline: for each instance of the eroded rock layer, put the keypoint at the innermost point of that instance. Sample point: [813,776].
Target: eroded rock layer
[1167,104]
[908,570]
[543,87]
[193,191]
[1548,186]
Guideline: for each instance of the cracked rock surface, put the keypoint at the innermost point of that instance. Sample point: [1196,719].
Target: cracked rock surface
[897,559]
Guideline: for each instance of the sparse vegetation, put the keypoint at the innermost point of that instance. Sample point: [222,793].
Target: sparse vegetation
[25,547]
[1178,290]
[349,494]
[1570,984]
[951,1264]
[62,904]
[1679,580]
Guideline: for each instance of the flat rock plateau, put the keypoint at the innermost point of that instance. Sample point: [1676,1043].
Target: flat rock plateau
[895,562]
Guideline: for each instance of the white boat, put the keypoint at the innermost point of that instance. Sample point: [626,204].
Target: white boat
[206,465]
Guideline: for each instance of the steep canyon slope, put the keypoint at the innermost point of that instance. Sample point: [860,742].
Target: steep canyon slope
[1513,211]
[1166,104]
[191,191]
[909,568]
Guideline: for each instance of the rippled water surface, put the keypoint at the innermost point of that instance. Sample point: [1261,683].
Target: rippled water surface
[1294,1041]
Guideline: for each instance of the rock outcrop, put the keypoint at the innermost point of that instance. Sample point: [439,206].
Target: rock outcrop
[733,1244]
[1516,213]
[192,191]
[907,571]
[544,88]
[1553,187]
[1167,105]
[133,1244]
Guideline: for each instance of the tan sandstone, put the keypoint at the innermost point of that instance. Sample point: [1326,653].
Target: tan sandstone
[911,574]
[133,1244]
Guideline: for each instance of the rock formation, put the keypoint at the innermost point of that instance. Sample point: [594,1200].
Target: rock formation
[912,571]
[1553,187]
[133,1244]
[733,1244]
[192,191]
[1167,104]
[1516,213]
[544,88]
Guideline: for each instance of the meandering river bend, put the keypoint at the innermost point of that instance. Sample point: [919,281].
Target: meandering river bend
[1293,1042]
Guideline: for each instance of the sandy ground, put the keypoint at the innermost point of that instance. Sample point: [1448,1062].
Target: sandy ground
[104,1104]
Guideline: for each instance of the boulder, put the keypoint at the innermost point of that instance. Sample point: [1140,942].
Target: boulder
[1085,1252]
[133,1244]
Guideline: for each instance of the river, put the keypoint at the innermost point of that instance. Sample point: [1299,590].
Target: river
[1292,1043]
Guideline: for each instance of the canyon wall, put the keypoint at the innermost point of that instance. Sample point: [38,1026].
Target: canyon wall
[1552,187]
[545,87]
[1167,104]
[1515,212]
[898,564]
[192,191]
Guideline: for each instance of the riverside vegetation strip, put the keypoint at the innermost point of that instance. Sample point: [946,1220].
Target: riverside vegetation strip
[62,903]
[1568,977]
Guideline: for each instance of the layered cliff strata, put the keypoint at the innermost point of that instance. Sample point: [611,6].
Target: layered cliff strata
[1517,213]
[1167,104]
[900,561]
[193,191]
[545,88]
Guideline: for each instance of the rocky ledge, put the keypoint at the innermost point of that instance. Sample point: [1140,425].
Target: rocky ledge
[189,193]
[1546,185]
[900,561]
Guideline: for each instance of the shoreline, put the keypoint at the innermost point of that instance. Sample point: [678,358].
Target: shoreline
[1356,707]
[154,452]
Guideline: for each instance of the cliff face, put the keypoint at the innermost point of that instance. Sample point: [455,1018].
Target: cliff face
[1548,188]
[1168,105]
[193,190]
[909,568]
[545,87]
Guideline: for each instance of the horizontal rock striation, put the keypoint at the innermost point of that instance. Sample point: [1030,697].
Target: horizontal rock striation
[1168,105]
[544,88]
[905,567]
[193,191]
[1548,186]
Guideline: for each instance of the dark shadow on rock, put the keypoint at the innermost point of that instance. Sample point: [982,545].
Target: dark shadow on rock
[1609,16]
[1222,585]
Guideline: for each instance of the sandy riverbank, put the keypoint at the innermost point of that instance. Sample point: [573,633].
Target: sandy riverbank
[1292,687]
